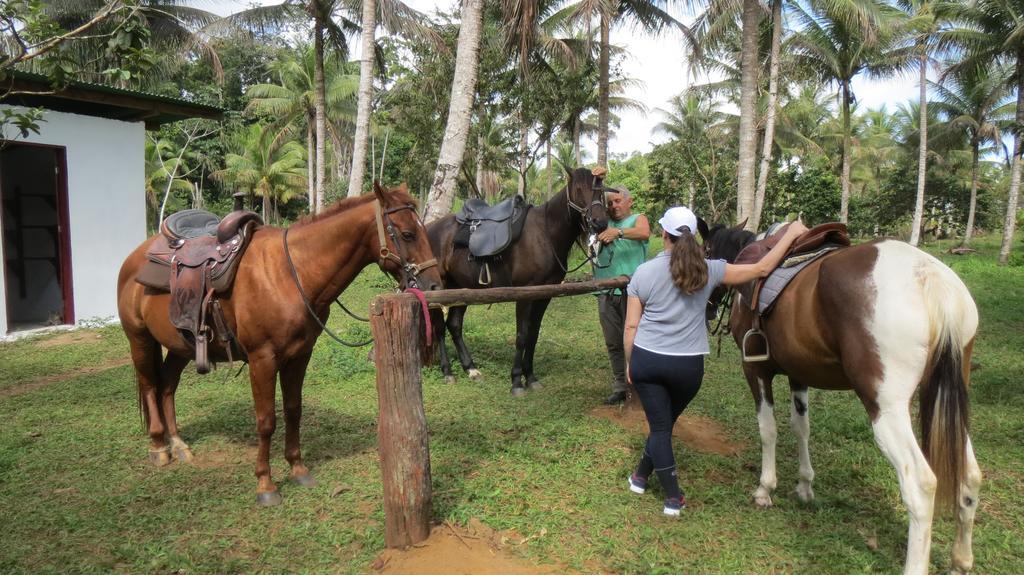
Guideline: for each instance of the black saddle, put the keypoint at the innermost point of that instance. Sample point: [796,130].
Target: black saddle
[489,230]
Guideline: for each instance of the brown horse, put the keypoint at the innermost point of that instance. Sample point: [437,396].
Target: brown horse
[539,257]
[881,319]
[266,312]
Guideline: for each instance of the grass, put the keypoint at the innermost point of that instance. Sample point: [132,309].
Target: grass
[78,495]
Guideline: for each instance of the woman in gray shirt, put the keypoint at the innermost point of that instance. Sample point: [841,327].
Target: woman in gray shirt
[666,339]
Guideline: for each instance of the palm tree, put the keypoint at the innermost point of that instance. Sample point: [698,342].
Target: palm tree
[650,16]
[991,32]
[268,163]
[922,25]
[292,102]
[460,111]
[395,17]
[175,30]
[326,31]
[976,100]
[839,40]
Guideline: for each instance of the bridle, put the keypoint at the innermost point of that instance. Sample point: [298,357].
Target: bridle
[410,270]
[586,219]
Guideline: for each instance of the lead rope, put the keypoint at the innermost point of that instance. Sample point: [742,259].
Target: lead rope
[426,313]
[305,300]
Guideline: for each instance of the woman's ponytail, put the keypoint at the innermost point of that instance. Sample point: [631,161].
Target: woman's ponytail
[688,267]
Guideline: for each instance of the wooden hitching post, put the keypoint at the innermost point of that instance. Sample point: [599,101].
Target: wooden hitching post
[402,422]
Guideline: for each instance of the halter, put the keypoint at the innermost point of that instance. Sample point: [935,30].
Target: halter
[410,270]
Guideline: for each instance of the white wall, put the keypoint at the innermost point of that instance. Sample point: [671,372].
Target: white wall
[106,203]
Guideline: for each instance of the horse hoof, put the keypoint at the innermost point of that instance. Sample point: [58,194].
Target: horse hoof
[804,493]
[518,391]
[268,499]
[474,374]
[449,379]
[305,480]
[183,454]
[160,457]
[534,386]
[763,501]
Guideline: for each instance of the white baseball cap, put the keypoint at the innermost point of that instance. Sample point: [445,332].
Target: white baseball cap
[676,218]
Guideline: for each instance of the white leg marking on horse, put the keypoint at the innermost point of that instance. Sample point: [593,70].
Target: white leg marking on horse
[802,429]
[963,555]
[474,374]
[766,425]
[901,329]
[894,434]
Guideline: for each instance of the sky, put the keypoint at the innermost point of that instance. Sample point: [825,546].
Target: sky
[659,63]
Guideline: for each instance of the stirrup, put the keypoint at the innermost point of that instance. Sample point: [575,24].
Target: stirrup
[755,358]
[485,272]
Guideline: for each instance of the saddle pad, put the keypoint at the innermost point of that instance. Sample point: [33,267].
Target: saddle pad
[780,278]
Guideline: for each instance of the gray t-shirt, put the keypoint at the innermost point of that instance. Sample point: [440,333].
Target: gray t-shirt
[672,322]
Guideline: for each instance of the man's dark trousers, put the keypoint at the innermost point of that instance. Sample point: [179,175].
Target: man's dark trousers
[612,311]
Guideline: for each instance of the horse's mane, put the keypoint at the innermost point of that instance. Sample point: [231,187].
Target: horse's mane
[355,201]
[729,241]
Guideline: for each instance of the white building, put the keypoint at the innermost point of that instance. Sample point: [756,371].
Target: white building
[73,198]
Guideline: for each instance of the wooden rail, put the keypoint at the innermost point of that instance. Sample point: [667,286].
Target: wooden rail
[397,324]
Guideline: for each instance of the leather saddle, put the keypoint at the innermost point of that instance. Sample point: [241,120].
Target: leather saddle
[760,295]
[489,230]
[195,258]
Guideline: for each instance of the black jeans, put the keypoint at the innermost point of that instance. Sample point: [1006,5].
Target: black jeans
[612,310]
[665,385]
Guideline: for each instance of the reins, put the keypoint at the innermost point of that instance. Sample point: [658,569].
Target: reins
[412,271]
[726,303]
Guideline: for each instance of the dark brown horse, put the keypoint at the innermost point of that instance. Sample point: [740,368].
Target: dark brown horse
[266,312]
[882,319]
[539,257]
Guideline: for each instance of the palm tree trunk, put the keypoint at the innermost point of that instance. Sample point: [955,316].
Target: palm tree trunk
[311,165]
[576,142]
[844,199]
[748,113]
[922,148]
[453,146]
[769,128]
[1011,201]
[548,196]
[355,182]
[524,142]
[603,87]
[975,144]
[319,105]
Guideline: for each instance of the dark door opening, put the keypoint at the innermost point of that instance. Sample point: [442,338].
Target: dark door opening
[37,262]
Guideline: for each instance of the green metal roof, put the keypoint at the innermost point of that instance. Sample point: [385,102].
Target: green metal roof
[101,100]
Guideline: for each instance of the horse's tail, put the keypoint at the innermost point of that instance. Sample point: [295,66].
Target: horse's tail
[953,321]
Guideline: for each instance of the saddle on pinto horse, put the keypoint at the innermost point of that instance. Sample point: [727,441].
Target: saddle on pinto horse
[195,258]
[489,230]
[761,294]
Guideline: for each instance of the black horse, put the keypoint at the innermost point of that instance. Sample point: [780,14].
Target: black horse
[539,257]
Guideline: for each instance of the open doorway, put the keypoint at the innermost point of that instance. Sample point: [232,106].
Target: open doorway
[37,258]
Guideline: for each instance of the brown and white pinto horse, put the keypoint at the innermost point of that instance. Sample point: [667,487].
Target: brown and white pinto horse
[881,319]
[268,316]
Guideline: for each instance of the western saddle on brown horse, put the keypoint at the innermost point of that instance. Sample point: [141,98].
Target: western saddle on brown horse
[195,259]
[760,294]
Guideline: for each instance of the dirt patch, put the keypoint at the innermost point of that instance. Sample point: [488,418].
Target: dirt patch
[472,550]
[47,380]
[700,433]
[68,338]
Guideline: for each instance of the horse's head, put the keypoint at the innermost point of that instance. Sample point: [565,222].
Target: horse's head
[585,193]
[722,243]
[404,248]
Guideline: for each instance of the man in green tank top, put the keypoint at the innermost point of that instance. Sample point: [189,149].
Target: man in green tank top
[624,249]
